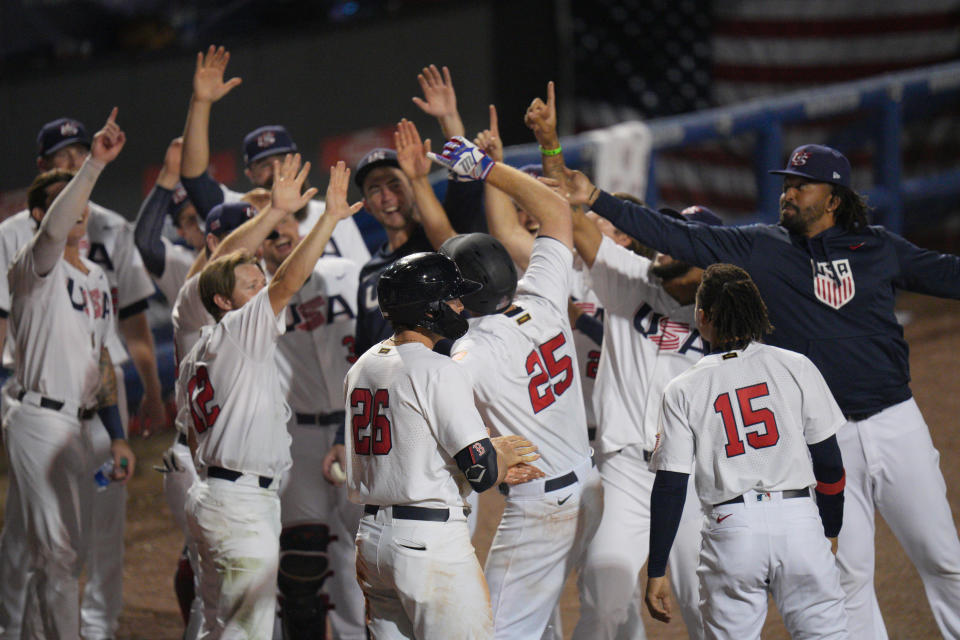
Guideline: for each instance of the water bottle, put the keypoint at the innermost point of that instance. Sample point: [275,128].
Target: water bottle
[104,475]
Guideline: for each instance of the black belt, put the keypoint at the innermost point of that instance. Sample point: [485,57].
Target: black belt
[57,405]
[789,493]
[591,433]
[863,415]
[231,475]
[559,483]
[404,512]
[182,439]
[322,419]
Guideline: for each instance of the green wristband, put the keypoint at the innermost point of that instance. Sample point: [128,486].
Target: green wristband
[551,152]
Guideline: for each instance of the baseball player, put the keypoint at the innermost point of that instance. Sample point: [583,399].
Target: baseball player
[64,144]
[751,418]
[230,393]
[519,353]
[830,280]
[261,147]
[61,316]
[416,441]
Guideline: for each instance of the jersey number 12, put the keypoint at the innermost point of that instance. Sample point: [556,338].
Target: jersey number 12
[378,440]
[751,417]
[200,393]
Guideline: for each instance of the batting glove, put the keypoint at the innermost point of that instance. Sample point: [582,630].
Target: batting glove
[170,464]
[464,159]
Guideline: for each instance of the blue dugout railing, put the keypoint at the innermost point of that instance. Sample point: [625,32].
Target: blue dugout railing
[893,98]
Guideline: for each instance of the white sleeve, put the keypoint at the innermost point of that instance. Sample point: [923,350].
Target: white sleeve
[455,420]
[133,282]
[475,358]
[7,253]
[822,416]
[550,272]
[255,327]
[675,448]
[619,277]
[22,278]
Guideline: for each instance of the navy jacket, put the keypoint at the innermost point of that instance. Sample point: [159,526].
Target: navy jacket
[830,297]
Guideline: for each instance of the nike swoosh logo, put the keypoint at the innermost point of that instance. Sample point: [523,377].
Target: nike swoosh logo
[854,247]
[722,518]
[560,502]
[418,547]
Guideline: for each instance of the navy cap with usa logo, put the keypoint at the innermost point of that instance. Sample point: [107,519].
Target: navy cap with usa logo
[270,140]
[375,158]
[226,217]
[61,133]
[818,163]
[695,213]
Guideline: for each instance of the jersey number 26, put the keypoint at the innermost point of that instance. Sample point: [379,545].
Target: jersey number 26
[751,417]
[378,440]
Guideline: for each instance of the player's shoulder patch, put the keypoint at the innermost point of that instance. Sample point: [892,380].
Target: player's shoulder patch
[383,350]
[518,313]
[459,355]
[728,356]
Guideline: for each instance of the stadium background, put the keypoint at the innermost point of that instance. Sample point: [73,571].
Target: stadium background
[716,91]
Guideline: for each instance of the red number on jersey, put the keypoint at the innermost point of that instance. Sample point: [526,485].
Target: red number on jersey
[200,393]
[349,342]
[593,361]
[370,405]
[544,373]
[751,416]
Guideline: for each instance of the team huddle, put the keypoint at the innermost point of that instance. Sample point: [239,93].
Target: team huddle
[641,386]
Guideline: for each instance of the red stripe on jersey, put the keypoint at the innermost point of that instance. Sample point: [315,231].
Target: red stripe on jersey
[832,488]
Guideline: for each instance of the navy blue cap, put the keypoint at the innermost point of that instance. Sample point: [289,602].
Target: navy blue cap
[534,169]
[224,218]
[270,140]
[696,213]
[376,158]
[818,163]
[178,201]
[59,134]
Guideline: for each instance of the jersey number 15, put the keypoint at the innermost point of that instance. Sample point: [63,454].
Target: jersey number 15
[378,440]
[750,416]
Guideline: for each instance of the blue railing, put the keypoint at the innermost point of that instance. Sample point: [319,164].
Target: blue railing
[892,97]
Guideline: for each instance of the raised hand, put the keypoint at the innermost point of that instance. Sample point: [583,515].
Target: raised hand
[464,159]
[440,99]
[170,171]
[337,205]
[288,179]
[208,84]
[108,142]
[541,118]
[411,152]
[489,140]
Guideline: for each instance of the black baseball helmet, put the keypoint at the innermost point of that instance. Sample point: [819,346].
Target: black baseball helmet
[413,290]
[482,258]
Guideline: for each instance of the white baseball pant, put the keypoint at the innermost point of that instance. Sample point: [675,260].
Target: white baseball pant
[237,529]
[421,578]
[541,538]
[176,485]
[610,582]
[769,545]
[892,467]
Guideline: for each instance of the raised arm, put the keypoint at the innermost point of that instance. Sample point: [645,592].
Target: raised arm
[500,211]
[149,225]
[541,119]
[440,100]
[69,204]
[297,267]
[208,87]
[413,160]
[550,209]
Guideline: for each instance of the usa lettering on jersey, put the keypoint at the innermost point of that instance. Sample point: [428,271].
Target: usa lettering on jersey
[92,302]
[667,334]
[833,282]
[314,313]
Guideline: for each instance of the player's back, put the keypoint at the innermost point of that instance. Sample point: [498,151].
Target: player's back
[409,411]
[752,413]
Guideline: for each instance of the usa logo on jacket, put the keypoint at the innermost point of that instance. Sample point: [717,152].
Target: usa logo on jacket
[833,282]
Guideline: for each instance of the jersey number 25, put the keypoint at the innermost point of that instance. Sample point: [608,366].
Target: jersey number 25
[378,440]
[751,417]
[543,365]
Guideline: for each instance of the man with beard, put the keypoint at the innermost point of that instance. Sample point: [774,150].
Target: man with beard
[830,281]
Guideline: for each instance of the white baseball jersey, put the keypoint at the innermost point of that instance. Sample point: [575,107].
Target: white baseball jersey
[177,260]
[60,323]
[588,351]
[109,243]
[648,339]
[189,316]
[316,351]
[746,417]
[523,363]
[346,241]
[229,392]
[409,412]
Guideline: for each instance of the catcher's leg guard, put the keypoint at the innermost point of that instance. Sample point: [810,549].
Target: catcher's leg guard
[304,566]
[183,585]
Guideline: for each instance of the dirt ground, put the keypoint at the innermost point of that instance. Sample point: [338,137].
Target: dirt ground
[153,543]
